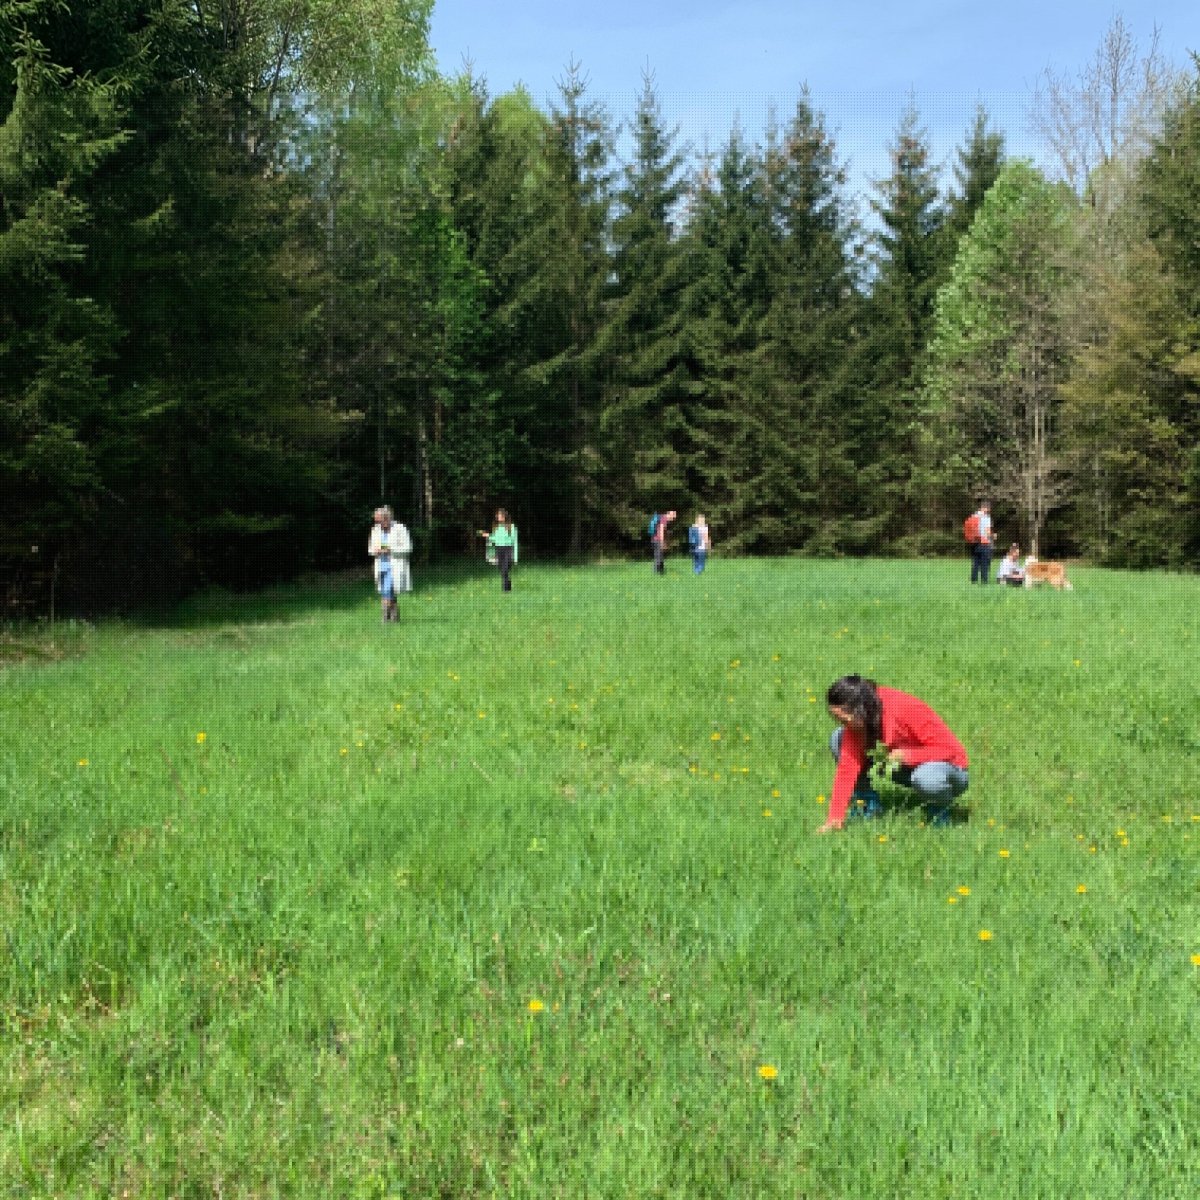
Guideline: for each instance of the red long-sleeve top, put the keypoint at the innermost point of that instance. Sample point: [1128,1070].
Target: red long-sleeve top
[910,726]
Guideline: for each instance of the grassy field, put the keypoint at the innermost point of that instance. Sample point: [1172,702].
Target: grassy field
[520,897]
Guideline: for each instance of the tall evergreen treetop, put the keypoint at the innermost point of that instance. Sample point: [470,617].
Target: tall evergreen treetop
[979,163]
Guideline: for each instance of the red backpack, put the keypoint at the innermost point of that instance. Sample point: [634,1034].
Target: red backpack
[971,529]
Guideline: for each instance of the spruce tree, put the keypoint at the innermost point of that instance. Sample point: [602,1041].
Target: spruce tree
[909,266]
[560,275]
[647,444]
[979,163]
[56,337]
[726,300]
[804,467]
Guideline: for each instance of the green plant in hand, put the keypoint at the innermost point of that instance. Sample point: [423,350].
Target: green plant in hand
[883,759]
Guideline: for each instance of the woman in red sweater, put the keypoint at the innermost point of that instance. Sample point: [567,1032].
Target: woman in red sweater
[921,750]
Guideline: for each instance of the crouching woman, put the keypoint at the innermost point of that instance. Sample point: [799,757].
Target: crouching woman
[883,724]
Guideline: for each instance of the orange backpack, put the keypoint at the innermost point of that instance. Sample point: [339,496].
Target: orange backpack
[971,529]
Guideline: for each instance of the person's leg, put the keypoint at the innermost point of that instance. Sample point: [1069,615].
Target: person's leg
[975,563]
[938,784]
[987,563]
[504,556]
[386,600]
[658,557]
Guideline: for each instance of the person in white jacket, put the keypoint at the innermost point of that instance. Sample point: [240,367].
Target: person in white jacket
[390,546]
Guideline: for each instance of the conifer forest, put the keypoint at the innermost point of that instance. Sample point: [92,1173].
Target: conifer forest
[264,267]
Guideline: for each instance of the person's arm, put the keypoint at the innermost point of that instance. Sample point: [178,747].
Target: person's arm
[851,761]
[514,543]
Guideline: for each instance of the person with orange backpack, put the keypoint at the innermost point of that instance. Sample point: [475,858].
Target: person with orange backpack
[977,529]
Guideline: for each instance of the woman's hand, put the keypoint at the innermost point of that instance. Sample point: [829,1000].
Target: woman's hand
[830,827]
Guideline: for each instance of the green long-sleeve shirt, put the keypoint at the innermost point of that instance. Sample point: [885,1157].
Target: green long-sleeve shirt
[505,536]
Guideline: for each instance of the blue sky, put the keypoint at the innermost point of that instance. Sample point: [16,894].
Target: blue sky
[717,61]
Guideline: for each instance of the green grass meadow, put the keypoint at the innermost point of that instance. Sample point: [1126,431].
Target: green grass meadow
[520,897]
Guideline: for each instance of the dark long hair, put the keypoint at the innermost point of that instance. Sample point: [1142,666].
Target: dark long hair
[861,698]
[502,518]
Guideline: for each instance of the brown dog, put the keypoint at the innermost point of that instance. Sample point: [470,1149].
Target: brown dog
[1053,573]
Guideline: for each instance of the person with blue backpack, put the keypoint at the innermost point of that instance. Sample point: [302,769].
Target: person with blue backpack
[699,543]
[658,536]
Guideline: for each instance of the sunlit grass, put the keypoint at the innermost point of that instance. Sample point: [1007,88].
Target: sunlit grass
[520,897]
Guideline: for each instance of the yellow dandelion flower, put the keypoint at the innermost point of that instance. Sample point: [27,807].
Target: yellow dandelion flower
[715,736]
[1003,853]
[767,812]
[951,899]
[343,750]
[83,762]
[1196,960]
[820,799]
[1082,889]
[201,738]
[767,1072]
[812,699]
[883,837]
[985,935]
[963,891]
[775,793]
[481,714]
[535,1006]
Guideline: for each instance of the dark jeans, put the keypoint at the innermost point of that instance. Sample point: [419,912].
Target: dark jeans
[658,555]
[981,562]
[504,561]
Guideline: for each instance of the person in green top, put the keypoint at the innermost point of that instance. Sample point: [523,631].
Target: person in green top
[503,539]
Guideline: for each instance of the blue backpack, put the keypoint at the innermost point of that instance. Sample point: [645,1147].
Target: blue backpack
[694,537]
[653,527]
